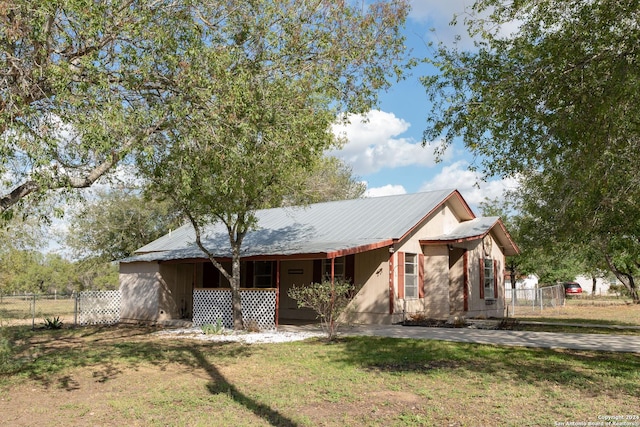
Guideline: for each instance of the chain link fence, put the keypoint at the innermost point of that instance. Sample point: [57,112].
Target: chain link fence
[526,301]
[34,310]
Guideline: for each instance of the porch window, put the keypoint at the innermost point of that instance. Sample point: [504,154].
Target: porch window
[338,269]
[489,278]
[212,277]
[262,274]
[411,276]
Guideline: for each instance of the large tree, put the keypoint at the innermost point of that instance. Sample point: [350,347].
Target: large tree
[118,222]
[82,85]
[331,179]
[260,87]
[555,102]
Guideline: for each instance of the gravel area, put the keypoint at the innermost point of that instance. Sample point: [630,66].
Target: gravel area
[244,337]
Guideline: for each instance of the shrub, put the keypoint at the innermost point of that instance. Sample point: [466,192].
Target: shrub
[52,323]
[619,290]
[327,299]
[216,329]
[252,326]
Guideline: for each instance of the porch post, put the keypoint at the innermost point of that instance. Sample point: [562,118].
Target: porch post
[333,295]
[333,261]
[391,281]
[277,292]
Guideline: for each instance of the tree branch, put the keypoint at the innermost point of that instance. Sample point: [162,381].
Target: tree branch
[33,186]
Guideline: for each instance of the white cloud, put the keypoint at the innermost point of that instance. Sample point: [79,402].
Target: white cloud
[469,183]
[374,144]
[438,14]
[386,190]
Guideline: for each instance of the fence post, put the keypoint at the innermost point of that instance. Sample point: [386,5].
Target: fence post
[33,313]
[75,309]
[541,302]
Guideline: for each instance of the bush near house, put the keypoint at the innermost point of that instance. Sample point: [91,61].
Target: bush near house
[327,299]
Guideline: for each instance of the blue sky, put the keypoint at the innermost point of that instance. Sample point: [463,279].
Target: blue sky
[386,152]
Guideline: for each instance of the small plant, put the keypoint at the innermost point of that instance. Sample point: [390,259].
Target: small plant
[418,318]
[215,329]
[252,326]
[508,324]
[52,323]
[458,322]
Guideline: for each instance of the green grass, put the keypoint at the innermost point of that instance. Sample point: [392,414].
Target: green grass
[124,376]
[588,313]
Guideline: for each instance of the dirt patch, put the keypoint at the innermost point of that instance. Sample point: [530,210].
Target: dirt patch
[82,396]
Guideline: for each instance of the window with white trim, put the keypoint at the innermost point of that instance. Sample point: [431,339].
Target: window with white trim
[489,279]
[410,275]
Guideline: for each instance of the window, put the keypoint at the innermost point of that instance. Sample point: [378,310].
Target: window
[212,277]
[262,274]
[489,278]
[411,276]
[338,269]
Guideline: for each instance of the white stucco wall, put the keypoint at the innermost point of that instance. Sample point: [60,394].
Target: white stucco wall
[140,288]
[371,302]
[489,306]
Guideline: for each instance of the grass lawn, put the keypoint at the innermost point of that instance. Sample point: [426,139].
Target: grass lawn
[128,376]
[587,311]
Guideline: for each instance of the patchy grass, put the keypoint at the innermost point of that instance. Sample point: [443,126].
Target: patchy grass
[127,376]
[570,329]
[589,312]
[20,310]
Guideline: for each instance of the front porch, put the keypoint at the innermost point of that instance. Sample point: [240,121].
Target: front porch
[194,290]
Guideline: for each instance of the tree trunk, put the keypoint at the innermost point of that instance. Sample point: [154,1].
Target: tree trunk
[234,279]
[633,290]
[594,281]
[626,279]
[236,301]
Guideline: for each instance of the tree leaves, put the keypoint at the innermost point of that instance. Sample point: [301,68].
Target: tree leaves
[555,104]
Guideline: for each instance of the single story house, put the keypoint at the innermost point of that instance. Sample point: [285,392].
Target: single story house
[421,254]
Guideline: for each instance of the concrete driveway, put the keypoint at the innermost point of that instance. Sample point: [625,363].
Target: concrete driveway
[596,342]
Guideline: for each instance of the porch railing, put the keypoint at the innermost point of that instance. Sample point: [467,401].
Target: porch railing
[258,306]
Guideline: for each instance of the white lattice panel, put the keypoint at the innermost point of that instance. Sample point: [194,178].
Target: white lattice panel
[99,307]
[258,306]
[211,305]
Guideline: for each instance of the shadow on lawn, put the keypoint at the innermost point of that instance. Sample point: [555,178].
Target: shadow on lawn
[107,352]
[220,385]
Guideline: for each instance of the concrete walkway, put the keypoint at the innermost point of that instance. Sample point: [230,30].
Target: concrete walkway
[596,342]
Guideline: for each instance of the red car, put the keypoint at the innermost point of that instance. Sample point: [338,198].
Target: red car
[572,288]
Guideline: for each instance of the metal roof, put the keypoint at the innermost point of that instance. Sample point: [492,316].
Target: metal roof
[477,227]
[322,228]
